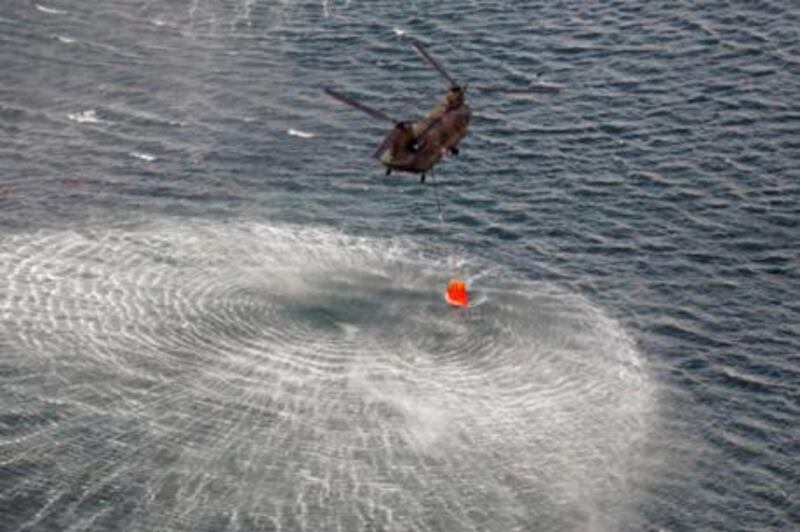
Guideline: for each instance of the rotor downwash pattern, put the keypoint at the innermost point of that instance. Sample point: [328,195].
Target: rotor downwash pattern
[253,377]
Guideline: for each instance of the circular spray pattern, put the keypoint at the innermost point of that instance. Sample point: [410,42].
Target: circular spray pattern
[247,376]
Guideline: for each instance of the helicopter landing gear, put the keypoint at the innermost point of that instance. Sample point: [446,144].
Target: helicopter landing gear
[422,178]
[388,171]
[454,150]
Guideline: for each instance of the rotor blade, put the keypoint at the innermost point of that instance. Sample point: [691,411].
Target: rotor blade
[419,141]
[385,144]
[538,88]
[431,61]
[374,113]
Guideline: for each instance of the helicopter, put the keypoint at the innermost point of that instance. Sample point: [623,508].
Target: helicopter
[416,146]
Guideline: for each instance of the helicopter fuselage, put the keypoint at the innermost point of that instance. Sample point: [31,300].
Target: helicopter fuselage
[416,147]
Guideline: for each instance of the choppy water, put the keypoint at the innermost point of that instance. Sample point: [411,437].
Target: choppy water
[216,313]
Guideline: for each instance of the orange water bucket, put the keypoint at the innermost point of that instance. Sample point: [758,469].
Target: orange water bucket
[456,293]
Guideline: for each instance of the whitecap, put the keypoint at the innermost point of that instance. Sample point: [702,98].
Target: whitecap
[161,22]
[50,10]
[66,40]
[88,116]
[301,134]
[143,156]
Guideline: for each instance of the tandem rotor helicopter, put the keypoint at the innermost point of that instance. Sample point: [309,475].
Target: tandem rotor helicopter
[416,146]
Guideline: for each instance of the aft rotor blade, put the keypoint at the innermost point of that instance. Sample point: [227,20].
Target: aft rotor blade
[431,61]
[538,88]
[386,143]
[420,139]
[374,113]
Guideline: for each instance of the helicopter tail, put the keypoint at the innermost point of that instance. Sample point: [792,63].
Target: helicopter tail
[399,139]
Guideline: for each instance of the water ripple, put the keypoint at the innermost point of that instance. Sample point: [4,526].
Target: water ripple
[256,367]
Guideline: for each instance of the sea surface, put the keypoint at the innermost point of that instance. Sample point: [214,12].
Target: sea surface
[218,314]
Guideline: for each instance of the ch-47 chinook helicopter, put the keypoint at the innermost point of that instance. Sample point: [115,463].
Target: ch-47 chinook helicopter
[416,146]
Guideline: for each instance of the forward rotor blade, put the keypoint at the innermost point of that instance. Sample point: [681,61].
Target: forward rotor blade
[374,113]
[431,61]
[540,88]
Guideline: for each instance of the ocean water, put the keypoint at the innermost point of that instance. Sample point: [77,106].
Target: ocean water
[217,313]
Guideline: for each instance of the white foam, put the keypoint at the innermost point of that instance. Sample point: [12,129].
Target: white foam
[143,156]
[66,40]
[85,117]
[50,10]
[399,32]
[158,22]
[301,134]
